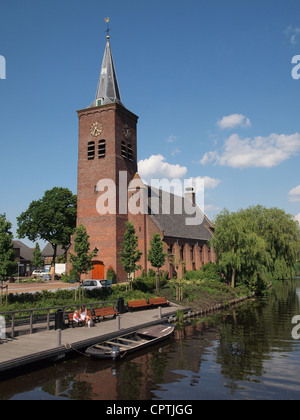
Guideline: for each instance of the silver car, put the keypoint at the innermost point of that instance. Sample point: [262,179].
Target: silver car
[96,284]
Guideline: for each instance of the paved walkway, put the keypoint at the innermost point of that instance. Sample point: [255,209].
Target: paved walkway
[44,345]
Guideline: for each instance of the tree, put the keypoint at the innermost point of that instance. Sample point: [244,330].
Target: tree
[37,259]
[82,261]
[156,256]
[130,253]
[252,242]
[281,233]
[52,218]
[241,253]
[8,265]
[110,273]
[239,250]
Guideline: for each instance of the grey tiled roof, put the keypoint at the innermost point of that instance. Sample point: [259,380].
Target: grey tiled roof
[108,88]
[177,216]
[48,251]
[25,251]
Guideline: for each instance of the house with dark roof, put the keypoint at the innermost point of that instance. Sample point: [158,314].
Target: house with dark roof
[47,252]
[23,256]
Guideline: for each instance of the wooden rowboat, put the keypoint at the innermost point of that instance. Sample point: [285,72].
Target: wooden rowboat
[118,347]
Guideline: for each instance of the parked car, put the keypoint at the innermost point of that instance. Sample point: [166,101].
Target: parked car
[46,277]
[96,284]
[39,273]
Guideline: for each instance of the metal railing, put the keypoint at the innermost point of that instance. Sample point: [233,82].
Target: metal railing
[28,320]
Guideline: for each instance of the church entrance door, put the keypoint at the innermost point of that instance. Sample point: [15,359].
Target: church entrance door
[98,270]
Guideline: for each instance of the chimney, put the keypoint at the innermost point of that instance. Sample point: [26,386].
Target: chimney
[190,195]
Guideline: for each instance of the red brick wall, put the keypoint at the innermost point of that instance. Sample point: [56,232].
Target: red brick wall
[106,231]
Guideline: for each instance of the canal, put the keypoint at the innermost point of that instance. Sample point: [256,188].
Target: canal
[246,352]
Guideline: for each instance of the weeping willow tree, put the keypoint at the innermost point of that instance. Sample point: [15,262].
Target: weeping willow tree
[252,242]
[281,233]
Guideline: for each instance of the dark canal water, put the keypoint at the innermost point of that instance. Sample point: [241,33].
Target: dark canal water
[245,352]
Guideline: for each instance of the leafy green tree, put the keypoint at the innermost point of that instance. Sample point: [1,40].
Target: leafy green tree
[255,241]
[52,218]
[37,259]
[82,260]
[110,273]
[8,265]
[156,256]
[281,233]
[130,253]
[241,253]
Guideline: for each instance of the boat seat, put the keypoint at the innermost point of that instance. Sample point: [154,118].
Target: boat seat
[129,341]
[98,346]
[114,343]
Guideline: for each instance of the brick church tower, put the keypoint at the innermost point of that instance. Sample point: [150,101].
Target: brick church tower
[107,155]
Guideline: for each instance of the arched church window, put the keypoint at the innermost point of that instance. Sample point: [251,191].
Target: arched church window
[101,149]
[91,150]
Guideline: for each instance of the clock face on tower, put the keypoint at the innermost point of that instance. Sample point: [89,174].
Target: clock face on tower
[96,129]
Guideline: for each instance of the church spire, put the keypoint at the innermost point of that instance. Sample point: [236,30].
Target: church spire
[108,89]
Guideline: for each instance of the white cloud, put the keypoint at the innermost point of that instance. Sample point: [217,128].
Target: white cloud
[157,167]
[298,218]
[293,33]
[294,194]
[263,152]
[233,120]
[209,157]
[209,183]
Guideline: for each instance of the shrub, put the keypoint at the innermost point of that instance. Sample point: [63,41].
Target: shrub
[208,272]
[148,284]
[144,284]
[73,275]
[110,274]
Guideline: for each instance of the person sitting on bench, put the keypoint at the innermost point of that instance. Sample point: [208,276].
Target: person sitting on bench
[76,317]
[83,315]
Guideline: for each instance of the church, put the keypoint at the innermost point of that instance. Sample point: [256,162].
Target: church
[110,191]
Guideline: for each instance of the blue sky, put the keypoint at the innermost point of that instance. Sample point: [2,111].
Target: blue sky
[210,81]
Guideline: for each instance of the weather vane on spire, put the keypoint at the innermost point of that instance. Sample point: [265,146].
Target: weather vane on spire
[108,28]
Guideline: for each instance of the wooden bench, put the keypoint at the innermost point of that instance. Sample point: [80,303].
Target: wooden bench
[158,301]
[138,304]
[103,312]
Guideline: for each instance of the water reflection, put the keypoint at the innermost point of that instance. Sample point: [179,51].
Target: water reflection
[245,352]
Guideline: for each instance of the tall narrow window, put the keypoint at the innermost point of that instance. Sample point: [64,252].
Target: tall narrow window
[124,150]
[101,149]
[91,150]
[130,153]
[191,252]
[181,253]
